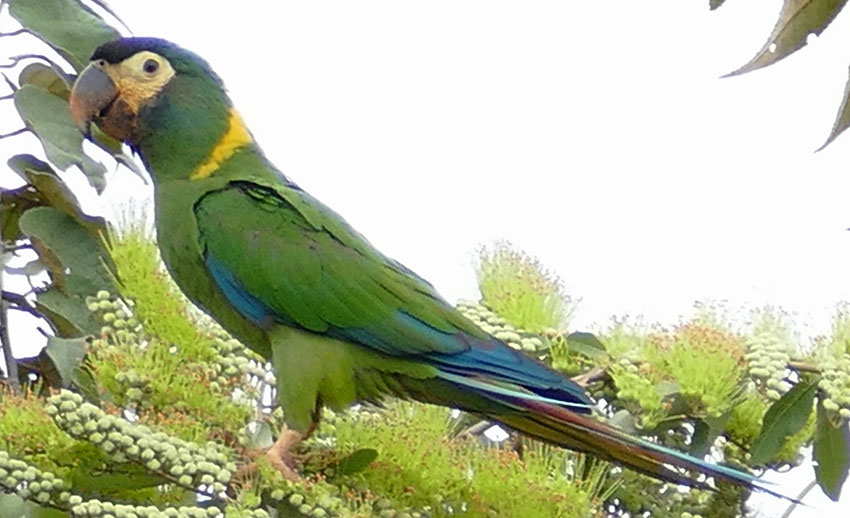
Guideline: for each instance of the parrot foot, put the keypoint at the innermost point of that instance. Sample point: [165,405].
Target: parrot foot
[280,454]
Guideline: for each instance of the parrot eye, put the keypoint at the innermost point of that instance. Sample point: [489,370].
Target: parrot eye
[150,66]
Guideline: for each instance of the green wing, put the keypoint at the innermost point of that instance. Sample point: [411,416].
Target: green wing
[280,256]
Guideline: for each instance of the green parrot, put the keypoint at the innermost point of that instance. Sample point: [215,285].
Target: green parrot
[283,273]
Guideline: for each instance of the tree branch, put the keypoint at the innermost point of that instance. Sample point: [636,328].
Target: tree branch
[800,498]
[5,341]
[476,429]
[14,133]
[13,33]
[803,367]
[594,374]
[20,303]
[6,345]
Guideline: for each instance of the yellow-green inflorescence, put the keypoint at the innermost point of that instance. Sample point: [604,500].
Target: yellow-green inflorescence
[29,482]
[105,509]
[699,364]
[833,359]
[518,288]
[163,381]
[770,348]
[499,327]
[423,471]
[835,384]
[205,468]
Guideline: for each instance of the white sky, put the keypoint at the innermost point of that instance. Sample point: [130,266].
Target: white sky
[596,136]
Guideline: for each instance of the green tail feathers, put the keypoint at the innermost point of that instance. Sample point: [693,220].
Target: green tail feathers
[553,423]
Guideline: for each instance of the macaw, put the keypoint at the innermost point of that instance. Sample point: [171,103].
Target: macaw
[283,273]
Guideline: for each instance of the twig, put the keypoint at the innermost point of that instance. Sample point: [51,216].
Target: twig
[803,367]
[799,498]
[17,248]
[594,374]
[5,340]
[14,60]
[14,133]
[103,5]
[6,345]
[476,429]
[20,303]
[11,83]
[13,33]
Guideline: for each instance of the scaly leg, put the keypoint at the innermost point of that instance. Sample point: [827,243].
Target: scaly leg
[280,454]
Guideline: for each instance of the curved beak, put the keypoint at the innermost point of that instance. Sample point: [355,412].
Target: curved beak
[92,95]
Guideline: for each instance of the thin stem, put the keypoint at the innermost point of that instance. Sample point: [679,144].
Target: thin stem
[476,429]
[14,60]
[13,33]
[17,248]
[594,374]
[800,498]
[14,133]
[20,303]
[6,345]
[803,367]
[5,341]
[11,83]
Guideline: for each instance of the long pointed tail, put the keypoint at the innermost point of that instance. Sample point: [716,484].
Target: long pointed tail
[556,423]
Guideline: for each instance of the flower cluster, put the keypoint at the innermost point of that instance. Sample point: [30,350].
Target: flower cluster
[767,360]
[98,509]
[186,463]
[497,326]
[29,482]
[835,384]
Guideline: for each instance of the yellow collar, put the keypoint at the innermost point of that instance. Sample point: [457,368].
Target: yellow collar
[237,136]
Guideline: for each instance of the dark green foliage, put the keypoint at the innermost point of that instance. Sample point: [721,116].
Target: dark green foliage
[831,452]
[68,26]
[798,20]
[783,419]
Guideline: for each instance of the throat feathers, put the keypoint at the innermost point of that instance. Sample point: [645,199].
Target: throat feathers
[237,135]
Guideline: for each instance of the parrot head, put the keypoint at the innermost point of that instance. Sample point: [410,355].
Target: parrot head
[165,102]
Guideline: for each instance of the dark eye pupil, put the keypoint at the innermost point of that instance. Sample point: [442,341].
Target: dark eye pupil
[150,66]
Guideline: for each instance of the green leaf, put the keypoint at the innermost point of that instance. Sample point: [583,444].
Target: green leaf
[357,461]
[49,118]
[69,315]
[831,453]
[33,267]
[624,420]
[797,19]
[77,262]
[46,78]
[11,506]
[73,255]
[68,26]
[36,511]
[784,418]
[115,482]
[67,355]
[13,203]
[53,190]
[706,431]
[586,344]
[842,118]
[84,382]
